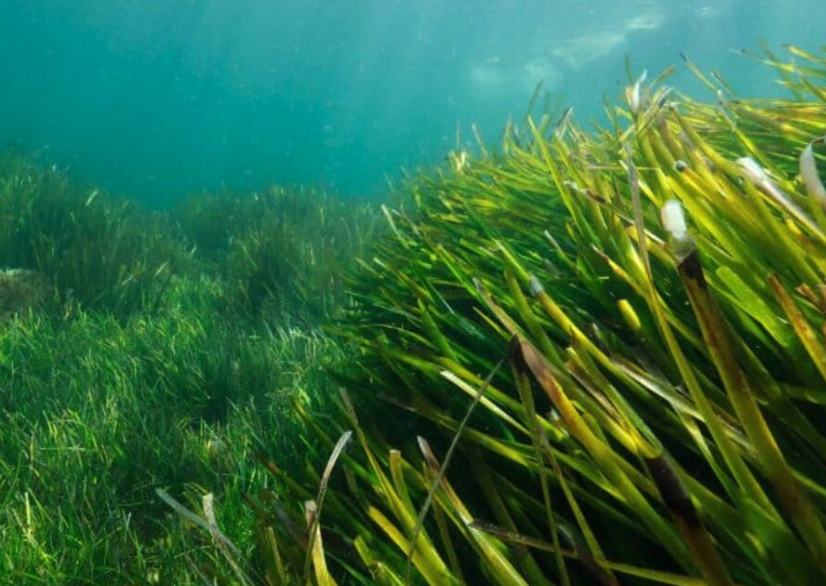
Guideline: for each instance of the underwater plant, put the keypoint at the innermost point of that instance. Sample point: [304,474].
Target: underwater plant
[281,251]
[128,362]
[94,249]
[599,394]
[96,411]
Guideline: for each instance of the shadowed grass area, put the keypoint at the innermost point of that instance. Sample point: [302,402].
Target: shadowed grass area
[281,251]
[622,334]
[128,362]
[97,413]
[95,249]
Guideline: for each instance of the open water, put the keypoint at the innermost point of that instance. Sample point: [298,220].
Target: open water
[155,98]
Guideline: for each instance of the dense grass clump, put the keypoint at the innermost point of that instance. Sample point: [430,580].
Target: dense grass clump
[96,249]
[621,333]
[280,251]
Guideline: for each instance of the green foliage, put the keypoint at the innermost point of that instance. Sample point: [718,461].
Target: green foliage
[601,396]
[282,252]
[659,417]
[208,221]
[96,413]
[129,363]
[96,250]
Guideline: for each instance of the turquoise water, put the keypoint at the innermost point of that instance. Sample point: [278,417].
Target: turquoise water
[155,98]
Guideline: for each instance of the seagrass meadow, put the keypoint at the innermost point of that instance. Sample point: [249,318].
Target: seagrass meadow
[580,356]
[584,357]
[132,356]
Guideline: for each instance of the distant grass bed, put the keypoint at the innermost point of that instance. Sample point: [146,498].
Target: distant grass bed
[583,357]
[134,356]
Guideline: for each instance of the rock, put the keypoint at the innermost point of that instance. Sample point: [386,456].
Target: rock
[21,290]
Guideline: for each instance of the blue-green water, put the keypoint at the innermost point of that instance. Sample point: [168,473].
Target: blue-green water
[158,97]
